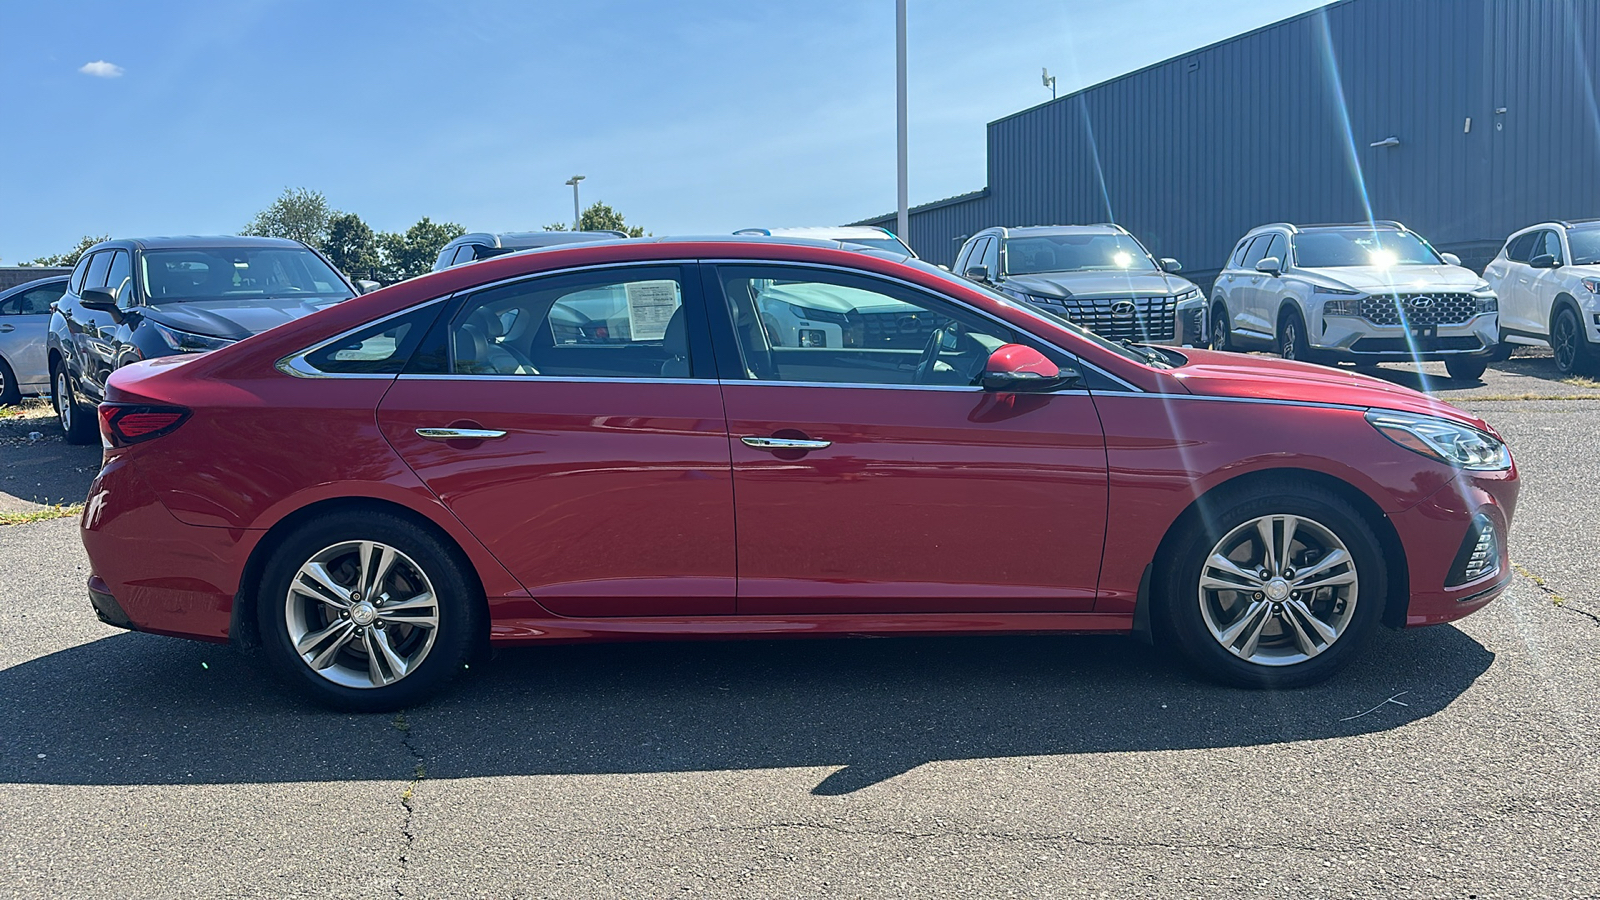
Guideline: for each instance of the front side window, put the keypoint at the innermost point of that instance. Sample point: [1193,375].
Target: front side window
[1341,247]
[1036,254]
[611,324]
[1548,243]
[819,326]
[239,273]
[1258,250]
[1585,246]
[1275,249]
[118,277]
[978,251]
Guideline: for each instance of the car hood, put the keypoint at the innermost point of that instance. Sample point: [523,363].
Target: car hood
[232,319]
[1212,374]
[1400,278]
[1097,284]
[833,298]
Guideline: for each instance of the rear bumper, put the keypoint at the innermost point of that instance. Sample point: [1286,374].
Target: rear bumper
[1433,532]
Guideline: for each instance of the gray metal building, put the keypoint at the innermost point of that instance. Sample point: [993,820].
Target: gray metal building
[1491,105]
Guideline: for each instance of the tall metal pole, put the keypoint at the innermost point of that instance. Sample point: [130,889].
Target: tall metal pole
[900,83]
[576,216]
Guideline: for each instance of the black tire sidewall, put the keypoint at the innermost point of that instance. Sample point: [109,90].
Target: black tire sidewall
[1469,369]
[1221,338]
[1302,342]
[1580,342]
[10,391]
[461,617]
[1179,578]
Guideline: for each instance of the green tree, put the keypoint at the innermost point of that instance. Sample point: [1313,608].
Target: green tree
[413,253]
[352,246]
[556,226]
[601,217]
[299,214]
[71,257]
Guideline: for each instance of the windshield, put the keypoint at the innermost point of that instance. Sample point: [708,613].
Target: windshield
[1122,350]
[239,273]
[1361,247]
[1585,245]
[1076,253]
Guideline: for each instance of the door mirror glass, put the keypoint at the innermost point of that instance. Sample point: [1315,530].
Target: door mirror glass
[1271,265]
[1543,261]
[1021,369]
[1168,264]
[978,273]
[1450,259]
[101,299]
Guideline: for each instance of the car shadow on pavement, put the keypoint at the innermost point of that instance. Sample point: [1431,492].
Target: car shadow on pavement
[137,709]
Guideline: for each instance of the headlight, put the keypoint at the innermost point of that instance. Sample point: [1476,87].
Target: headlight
[1592,285]
[188,342]
[1487,300]
[1192,295]
[1338,292]
[1449,442]
[817,315]
[1346,307]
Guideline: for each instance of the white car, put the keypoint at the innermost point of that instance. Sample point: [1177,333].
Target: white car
[1363,293]
[1548,279]
[860,235]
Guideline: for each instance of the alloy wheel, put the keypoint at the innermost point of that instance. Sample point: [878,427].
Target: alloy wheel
[1219,333]
[1564,341]
[361,614]
[64,399]
[1290,340]
[1278,590]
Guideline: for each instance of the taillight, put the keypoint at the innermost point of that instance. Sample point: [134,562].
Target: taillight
[122,424]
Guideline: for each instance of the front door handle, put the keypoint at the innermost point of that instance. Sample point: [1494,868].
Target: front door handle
[461,434]
[7,329]
[773,443]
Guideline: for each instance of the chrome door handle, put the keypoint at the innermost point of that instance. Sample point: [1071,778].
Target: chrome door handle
[460,434]
[767,443]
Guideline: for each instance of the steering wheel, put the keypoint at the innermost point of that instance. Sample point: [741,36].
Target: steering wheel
[930,355]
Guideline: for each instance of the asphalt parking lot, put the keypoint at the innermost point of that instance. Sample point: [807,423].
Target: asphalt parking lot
[1457,761]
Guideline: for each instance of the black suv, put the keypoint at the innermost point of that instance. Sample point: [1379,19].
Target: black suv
[482,245]
[142,298]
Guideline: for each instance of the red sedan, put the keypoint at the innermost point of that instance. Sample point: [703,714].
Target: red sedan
[704,438]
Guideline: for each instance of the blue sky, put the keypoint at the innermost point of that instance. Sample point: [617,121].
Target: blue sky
[688,117]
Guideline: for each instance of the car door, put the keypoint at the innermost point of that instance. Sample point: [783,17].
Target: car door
[595,468]
[1510,276]
[910,489]
[24,322]
[1247,288]
[92,332]
[1544,285]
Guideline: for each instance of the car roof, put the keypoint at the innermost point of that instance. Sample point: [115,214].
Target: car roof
[196,241]
[1045,230]
[524,240]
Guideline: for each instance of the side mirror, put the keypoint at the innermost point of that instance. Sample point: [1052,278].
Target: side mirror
[1450,259]
[101,300]
[363,286]
[978,273]
[1543,261]
[1168,264]
[1014,368]
[1271,265]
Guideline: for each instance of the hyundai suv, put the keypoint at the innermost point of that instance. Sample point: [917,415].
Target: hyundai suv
[1548,280]
[482,245]
[1365,293]
[861,235]
[142,298]
[1099,276]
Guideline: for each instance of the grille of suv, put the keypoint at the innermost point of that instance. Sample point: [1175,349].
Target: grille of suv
[1420,309]
[1152,318]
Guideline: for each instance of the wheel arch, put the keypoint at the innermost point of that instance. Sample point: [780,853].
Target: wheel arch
[1564,300]
[1394,558]
[242,629]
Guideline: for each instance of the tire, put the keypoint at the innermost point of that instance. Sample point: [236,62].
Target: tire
[78,426]
[1502,350]
[10,392]
[1571,345]
[1212,626]
[1466,368]
[1292,341]
[423,581]
[1221,333]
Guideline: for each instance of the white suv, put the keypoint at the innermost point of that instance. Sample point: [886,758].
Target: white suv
[1364,293]
[1548,279]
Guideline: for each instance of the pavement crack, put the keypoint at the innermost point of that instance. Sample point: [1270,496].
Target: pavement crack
[1556,599]
[408,833]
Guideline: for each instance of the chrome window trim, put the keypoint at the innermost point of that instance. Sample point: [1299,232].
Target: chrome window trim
[552,379]
[921,289]
[295,363]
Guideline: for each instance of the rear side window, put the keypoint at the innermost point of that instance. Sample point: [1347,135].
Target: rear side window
[34,302]
[1521,247]
[380,349]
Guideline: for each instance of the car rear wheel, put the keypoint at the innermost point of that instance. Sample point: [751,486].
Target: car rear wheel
[1221,336]
[10,393]
[1466,368]
[78,426]
[1571,346]
[367,612]
[1274,590]
[1292,342]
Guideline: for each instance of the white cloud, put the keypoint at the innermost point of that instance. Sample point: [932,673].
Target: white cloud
[101,69]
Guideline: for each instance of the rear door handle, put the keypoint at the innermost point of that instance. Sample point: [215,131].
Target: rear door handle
[771,443]
[461,434]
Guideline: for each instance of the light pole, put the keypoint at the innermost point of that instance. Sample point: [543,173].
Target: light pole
[903,214]
[576,216]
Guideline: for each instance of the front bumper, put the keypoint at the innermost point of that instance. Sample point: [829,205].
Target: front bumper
[1355,340]
[1432,533]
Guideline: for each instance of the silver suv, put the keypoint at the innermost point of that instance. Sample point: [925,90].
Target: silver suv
[1364,293]
[1098,276]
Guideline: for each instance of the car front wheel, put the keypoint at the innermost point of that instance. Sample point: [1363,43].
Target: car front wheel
[1276,590]
[367,612]
[1221,338]
[1466,368]
[1292,342]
